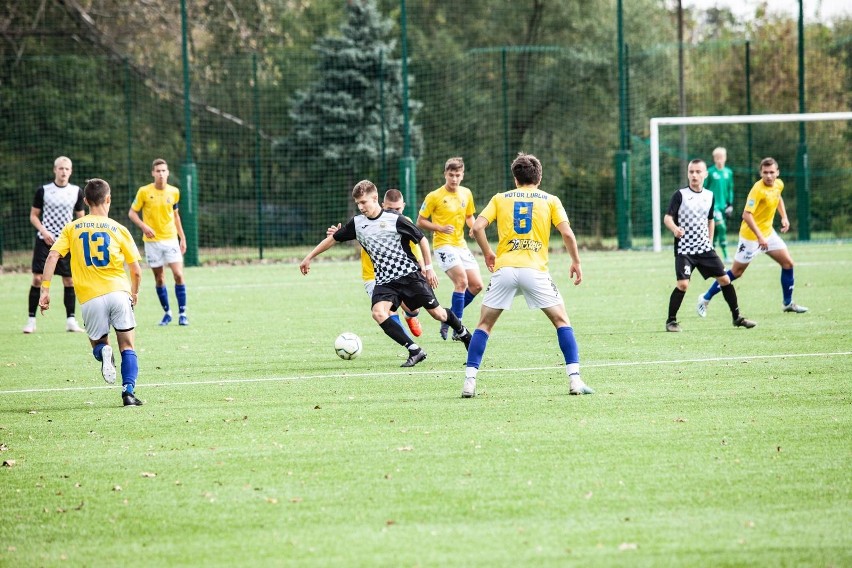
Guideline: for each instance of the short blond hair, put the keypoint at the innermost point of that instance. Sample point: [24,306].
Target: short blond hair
[364,187]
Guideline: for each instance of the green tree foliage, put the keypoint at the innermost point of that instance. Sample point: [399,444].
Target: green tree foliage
[348,124]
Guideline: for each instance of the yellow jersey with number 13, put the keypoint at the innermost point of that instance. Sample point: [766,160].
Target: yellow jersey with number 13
[99,248]
[524,217]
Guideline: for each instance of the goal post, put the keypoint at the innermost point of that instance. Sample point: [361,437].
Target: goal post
[656,211]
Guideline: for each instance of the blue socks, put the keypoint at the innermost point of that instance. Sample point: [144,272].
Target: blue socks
[96,351]
[163,295]
[787,285]
[568,344]
[716,288]
[468,297]
[476,348]
[129,371]
[180,294]
[457,305]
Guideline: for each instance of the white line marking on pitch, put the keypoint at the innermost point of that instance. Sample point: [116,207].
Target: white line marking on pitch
[438,372]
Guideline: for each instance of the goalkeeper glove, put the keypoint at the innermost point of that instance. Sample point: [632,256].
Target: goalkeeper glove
[729,210]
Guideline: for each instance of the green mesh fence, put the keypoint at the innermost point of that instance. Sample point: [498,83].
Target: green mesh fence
[264,188]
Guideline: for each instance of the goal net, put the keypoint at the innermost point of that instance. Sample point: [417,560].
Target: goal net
[788,170]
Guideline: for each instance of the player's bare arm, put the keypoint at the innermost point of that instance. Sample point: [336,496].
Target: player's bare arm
[782,211]
[35,220]
[428,271]
[570,241]
[477,231]
[49,268]
[181,235]
[137,220]
[324,245]
[748,218]
[668,221]
[711,228]
[135,281]
[427,224]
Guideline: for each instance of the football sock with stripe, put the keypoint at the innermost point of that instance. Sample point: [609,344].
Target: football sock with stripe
[787,282]
[129,371]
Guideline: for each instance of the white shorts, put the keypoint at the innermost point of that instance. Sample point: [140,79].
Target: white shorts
[368,286]
[111,309]
[160,253]
[446,257]
[747,250]
[536,286]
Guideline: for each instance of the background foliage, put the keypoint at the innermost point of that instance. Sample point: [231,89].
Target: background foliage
[294,101]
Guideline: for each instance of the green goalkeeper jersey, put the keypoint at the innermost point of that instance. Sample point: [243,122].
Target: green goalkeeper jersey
[721,183]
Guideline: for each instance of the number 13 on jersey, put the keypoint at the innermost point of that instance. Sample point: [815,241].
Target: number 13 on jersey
[98,243]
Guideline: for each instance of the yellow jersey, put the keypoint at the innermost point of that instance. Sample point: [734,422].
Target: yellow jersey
[524,216]
[158,210]
[99,248]
[446,207]
[762,202]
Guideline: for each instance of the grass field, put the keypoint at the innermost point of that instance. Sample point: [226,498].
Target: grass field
[258,446]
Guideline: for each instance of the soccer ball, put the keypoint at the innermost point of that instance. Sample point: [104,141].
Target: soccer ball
[348,345]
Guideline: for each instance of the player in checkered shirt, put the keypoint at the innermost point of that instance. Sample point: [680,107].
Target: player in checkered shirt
[386,235]
[54,205]
[690,219]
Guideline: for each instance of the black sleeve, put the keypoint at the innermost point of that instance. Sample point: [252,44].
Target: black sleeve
[712,207]
[346,232]
[38,200]
[674,205]
[408,229]
[80,205]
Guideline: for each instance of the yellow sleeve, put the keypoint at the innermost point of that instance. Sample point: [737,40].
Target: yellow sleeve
[138,201]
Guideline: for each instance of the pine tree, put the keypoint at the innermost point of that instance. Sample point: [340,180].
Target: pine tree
[338,122]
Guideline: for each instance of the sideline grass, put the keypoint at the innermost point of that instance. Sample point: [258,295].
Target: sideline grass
[701,448]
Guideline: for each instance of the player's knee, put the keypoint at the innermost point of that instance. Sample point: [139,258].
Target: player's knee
[682,285]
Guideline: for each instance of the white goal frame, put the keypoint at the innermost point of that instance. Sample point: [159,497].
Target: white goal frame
[726,119]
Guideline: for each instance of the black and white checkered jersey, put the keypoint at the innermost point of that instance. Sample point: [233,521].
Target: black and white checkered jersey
[387,241]
[692,210]
[57,205]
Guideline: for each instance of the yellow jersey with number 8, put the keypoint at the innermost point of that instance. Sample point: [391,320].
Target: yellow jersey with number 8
[524,217]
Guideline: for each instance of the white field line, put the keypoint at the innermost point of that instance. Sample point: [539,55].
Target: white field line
[744,358]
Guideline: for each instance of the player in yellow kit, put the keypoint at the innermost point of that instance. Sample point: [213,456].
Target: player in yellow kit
[165,242]
[757,235]
[99,249]
[524,216]
[446,211]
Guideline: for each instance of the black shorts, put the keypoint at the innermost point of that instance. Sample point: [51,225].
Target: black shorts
[708,264]
[411,289]
[40,251]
